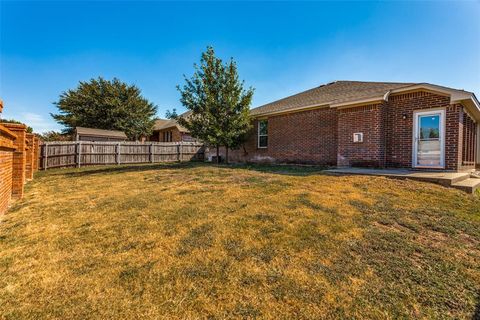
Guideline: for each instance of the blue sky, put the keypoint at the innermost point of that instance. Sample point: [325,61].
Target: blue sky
[281,47]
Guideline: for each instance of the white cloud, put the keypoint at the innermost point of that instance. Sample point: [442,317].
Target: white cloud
[38,122]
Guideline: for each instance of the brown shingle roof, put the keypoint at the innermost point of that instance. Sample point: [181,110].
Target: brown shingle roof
[331,93]
[161,124]
[100,132]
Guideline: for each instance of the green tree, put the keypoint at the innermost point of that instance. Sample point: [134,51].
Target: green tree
[54,136]
[104,104]
[218,103]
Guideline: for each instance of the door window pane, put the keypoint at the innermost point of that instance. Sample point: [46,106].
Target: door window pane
[428,143]
[430,127]
[429,153]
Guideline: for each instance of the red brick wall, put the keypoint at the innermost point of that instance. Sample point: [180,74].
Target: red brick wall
[325,136]
[301,137]
[6,166]
[399,131]
[469,148]
[19,158]
[369,120]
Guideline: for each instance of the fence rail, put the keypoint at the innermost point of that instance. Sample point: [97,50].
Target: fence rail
[64,154]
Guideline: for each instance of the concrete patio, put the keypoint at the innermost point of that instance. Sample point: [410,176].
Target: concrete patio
[459,180]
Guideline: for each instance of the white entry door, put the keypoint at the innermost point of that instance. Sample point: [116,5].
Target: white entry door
[429,139]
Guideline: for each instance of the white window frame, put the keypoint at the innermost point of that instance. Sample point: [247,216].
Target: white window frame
[416,115]
[261,135]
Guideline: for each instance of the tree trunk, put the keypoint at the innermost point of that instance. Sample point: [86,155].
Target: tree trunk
[226,154]
[218,154]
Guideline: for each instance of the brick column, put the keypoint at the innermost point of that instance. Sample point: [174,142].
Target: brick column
[454,137]
[36,153]
[19,158]
[29,156]
[6,161]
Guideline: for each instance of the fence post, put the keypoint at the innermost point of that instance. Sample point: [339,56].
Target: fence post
[151,152]
[178,151]
[45,156]
[78,153]
[181,151]
[117,151]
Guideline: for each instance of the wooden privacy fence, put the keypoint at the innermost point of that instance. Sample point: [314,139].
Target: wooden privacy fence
[83,153]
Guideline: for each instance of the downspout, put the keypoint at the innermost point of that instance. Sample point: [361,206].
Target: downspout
[385,127]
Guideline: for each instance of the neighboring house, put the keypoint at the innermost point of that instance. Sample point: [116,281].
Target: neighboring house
[169,131]
[375,124]
[91,134]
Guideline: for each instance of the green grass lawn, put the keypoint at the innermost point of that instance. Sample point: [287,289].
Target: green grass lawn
[194,241]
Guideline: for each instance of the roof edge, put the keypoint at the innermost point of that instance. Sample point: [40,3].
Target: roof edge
[456,96]
[297,109]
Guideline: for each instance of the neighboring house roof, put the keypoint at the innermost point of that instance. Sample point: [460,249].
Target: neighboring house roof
[344,93]
[100,132]
[161,124]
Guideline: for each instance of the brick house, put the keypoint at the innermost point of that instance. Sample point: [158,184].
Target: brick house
[166,130]
[374,124]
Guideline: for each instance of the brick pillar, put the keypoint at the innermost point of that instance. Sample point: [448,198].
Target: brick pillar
[29,156]
[454,137]
[6,162]
[36,153]
[19,158]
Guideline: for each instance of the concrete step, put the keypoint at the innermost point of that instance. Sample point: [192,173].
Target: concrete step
[469,185]
[456,178]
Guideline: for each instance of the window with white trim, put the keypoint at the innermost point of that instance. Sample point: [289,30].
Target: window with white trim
[263,133]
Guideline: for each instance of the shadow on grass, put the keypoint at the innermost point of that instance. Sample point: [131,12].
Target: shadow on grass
[476,314]
[283,169]
[114,169]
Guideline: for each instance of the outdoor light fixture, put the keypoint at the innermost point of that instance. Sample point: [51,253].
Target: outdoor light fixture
[404,116]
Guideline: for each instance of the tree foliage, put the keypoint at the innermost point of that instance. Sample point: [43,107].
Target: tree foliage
[54,136]
[218,103]
[104,104]
[29,129]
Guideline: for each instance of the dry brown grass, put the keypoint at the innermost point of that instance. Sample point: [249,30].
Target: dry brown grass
[194,241]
